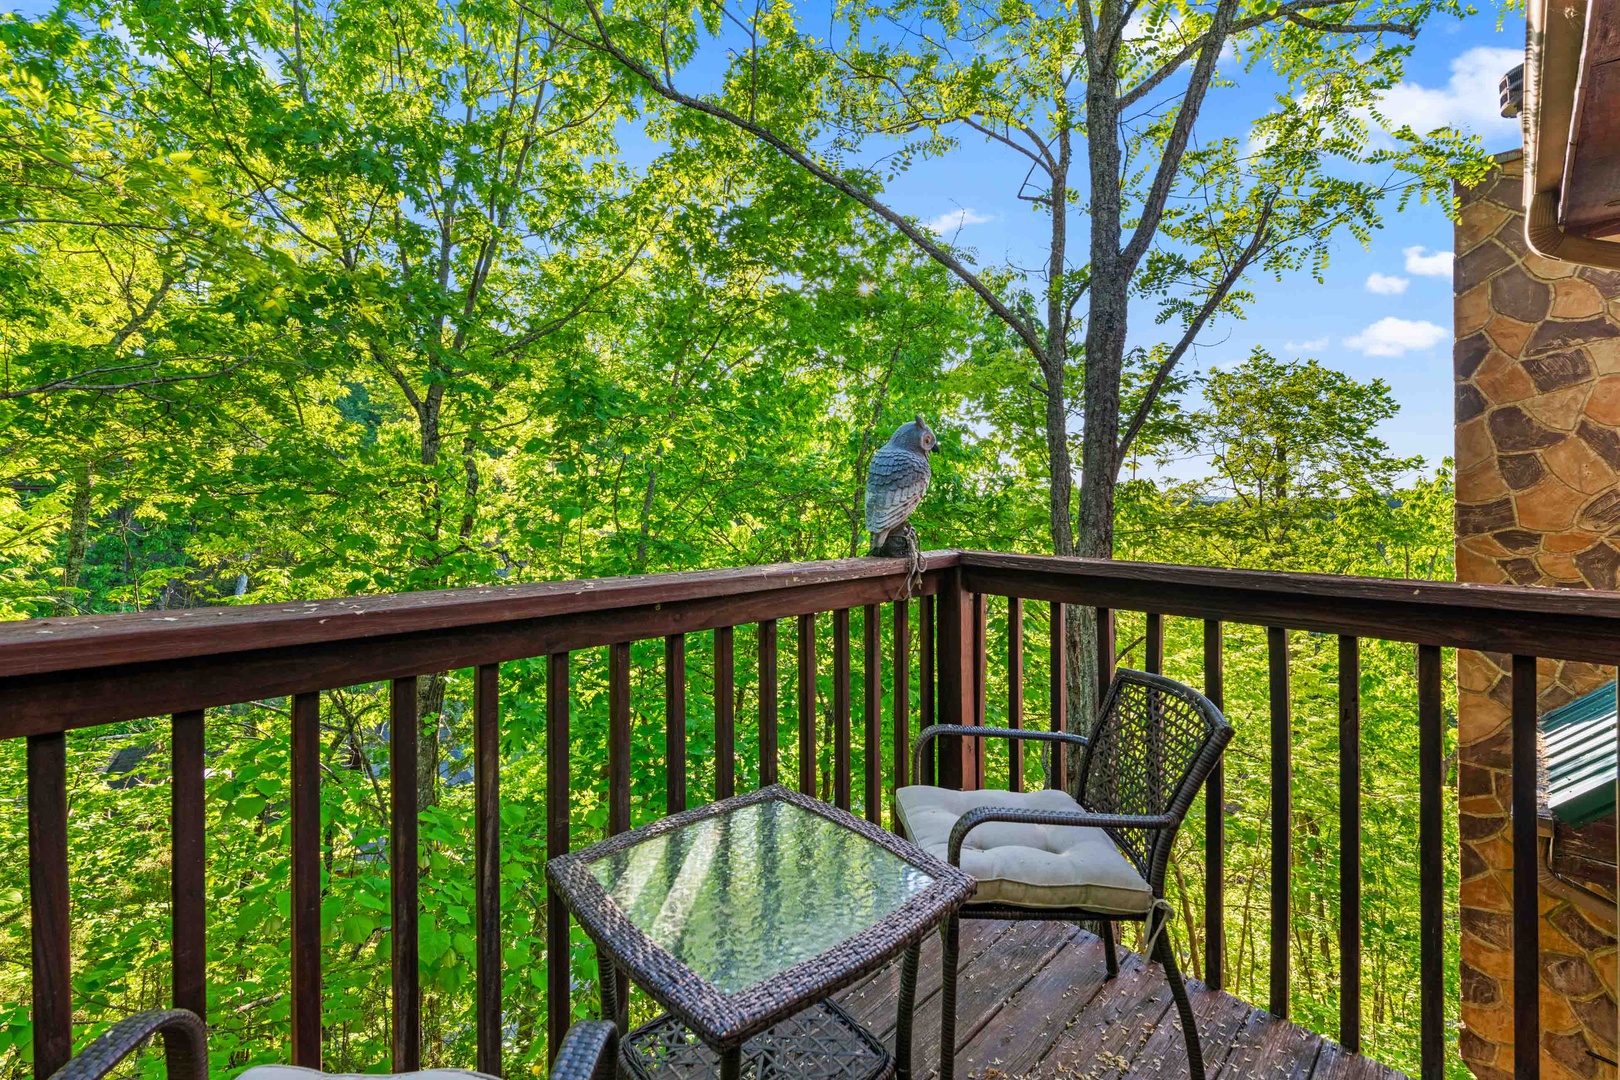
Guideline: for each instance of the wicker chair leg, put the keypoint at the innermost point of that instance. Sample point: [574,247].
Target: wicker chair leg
[1164,952]
[1105,930]
[908,1005]
[951,933]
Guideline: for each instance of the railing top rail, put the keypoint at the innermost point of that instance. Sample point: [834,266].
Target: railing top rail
[93,641]
[1567,624]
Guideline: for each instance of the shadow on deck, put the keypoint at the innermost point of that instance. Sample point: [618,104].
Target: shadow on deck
[1033,1003]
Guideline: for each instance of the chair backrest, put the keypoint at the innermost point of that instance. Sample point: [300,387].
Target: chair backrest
[1150,751]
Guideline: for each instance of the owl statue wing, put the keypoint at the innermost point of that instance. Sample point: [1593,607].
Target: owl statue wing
[895,485]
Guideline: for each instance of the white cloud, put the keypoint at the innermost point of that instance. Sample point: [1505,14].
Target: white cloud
[1433,264]
[1390,336]
[1468,101]
[952,220]
[1386,284]
[1314,345]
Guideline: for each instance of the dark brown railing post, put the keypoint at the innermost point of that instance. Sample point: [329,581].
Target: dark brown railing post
[1214,821]
[559,1002]
[674,723]
[958,758]
[48,902]
[1106,651]
[1526,884]
[188,882]
[841,735]
[807,704]
[1153,649]
[767,703]
[902,701]
[306,878]
[487,859]
[1431,864]
[1282,801]
[404,717]
[725,703]
[981,662]
[927,675]
[1015,690]
[872,711]
[618,737]
[1350,842]
[1058,663]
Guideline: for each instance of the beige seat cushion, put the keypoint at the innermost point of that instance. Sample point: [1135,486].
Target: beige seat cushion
[1038,866]
[298,1072]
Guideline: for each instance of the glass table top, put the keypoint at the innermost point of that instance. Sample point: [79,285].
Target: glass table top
[747,894]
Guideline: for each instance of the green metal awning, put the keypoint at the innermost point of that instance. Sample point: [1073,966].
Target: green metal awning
[1578,751]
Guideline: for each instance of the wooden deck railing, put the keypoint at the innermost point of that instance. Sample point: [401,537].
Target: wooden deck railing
[61,674]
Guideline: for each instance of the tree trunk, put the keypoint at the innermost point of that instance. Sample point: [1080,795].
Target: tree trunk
[78,540]
[429,707]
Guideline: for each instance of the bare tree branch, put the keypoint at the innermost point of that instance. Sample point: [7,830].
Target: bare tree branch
[1282,11]
[1211,304]
[1175,146]
[1023,327]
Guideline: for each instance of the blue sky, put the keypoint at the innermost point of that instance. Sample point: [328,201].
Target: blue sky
[1383,311]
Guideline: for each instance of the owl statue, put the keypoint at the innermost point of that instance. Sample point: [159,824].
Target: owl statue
[896,482]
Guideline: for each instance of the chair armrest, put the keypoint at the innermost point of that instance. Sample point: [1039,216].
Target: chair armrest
[934,731]
[985,814]
[185,1046]
[588,1052]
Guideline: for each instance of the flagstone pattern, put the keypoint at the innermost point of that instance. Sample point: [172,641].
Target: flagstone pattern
[1537,366]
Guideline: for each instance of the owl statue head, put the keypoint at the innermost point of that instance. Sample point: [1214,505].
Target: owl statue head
[917,436]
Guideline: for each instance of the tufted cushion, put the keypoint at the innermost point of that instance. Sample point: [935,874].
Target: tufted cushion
[1039,866]
[298,1072]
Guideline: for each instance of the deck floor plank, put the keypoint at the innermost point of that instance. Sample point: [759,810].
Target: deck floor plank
[1033,1004]
[1115,1028]
[984,987]
[1017,1037]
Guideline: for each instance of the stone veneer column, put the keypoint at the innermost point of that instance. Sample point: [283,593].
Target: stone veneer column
[1537,364]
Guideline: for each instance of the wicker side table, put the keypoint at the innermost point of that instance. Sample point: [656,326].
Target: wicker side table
[741,918]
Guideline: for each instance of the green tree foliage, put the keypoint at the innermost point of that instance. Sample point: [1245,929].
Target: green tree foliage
[313,300]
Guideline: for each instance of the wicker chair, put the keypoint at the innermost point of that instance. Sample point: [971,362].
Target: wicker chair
[1101,858]
[589,1052]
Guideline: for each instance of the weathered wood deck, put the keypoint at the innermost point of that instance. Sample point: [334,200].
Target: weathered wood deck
[1033,1003]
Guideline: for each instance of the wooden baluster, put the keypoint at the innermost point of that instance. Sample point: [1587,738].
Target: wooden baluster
[902,701]
[404,716]
[1350,842]
[674,723]
[1154,647]
[1057,664]
[1214,821]
[188,881]
[1015,691]
[841,734]
[559,1003]
[927,665]
[981,665]
[872,713]
[48,902]
[767,703]
[807,704]
[725,703]
[487,860]
[1105,654]
[1526,887]
[618,738]
[957,756]
[1281,816]
[306,878]
[1431,864]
